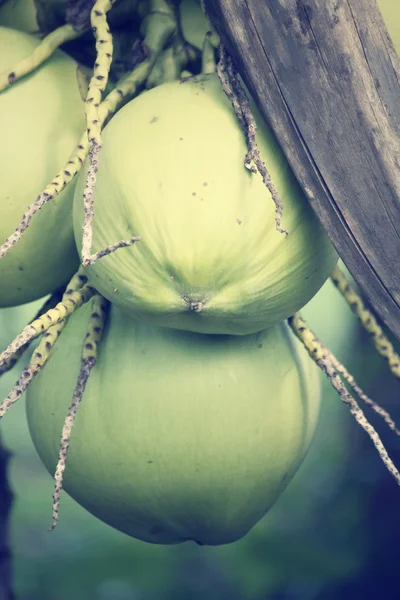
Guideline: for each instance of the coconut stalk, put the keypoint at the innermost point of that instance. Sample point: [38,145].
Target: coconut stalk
[6,592]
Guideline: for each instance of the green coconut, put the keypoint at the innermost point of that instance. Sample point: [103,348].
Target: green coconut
[179,436]
[210,258]
[41,121]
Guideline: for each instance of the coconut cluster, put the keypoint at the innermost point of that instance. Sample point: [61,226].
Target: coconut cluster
[196,402]
[200,404]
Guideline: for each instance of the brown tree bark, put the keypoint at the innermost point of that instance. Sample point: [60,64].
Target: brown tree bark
[326,77]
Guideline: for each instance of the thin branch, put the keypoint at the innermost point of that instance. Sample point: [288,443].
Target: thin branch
[232,87]
[84,373]
[76,294]
[368,321]
[208,61]
[158,8]
[126,88]
[158,31]
[60,181]
[363,396]
[89,357]
[37,362]
[97,85]
[50,303]
[325,360]
[111,248]
[26,377]
[40,54]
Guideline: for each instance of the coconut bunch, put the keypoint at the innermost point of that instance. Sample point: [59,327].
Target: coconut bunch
[143,192]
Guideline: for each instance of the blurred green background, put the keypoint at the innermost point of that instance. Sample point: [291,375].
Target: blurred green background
[334,533]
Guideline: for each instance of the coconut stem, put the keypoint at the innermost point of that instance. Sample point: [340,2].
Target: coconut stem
[126,88]
[168,67]
[76,288]
[52,190]
[326,362]
[38,360]
[363,396]
[208,60]
[232,87]
[75,291]
[368,320]
[88,207]
[40,54]
[155,45]
[172,61]
[82,79]
[76,294]
[89,356]
[97,85]
[50,303]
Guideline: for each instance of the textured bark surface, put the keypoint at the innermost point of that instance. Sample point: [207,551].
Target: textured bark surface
[5,507]
[326,77]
